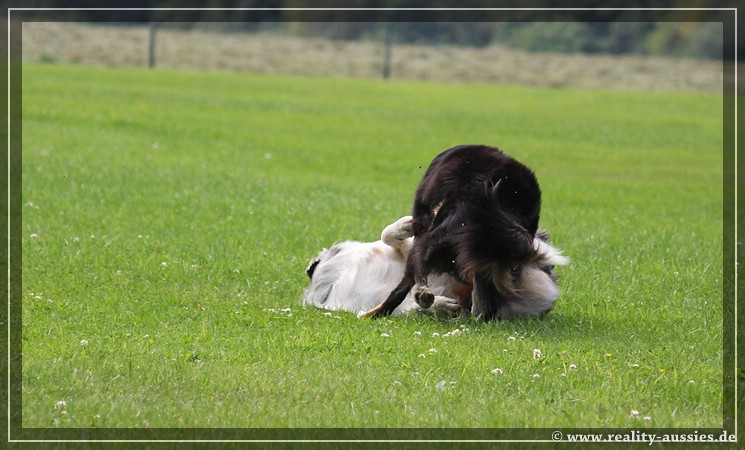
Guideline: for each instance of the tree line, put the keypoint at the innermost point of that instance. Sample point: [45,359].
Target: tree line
[662,32]
[678,39]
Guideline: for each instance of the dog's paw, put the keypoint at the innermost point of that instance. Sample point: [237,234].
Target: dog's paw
[424,297]
[398,231]
[404,227]
[373,313]
[446,306]
[368,314]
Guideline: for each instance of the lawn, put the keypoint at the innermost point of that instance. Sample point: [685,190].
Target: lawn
[168,218]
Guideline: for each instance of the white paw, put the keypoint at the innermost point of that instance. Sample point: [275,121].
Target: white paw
[446,305]
[398,231]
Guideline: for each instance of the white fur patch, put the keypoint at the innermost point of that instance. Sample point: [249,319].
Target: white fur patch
[356,276]
[550,255]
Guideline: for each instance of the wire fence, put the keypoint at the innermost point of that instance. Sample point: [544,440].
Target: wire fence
[379,56]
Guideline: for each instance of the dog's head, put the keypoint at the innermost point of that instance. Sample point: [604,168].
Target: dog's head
[322,273]
[532,285]
[526,289]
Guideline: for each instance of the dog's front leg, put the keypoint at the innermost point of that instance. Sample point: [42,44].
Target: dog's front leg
[486,298]
[423,295]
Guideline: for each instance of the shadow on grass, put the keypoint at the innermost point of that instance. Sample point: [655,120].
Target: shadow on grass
[556,325]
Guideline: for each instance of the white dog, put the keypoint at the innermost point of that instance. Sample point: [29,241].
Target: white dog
[355,276]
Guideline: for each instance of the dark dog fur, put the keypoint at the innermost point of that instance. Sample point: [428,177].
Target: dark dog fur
[475,217]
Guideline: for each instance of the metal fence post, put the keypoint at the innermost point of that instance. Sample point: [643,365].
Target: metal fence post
[151,52]
[388,50]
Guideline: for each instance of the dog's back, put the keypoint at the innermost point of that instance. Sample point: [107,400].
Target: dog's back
[468,172]
[475,206]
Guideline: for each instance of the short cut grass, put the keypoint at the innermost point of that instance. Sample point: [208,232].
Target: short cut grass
[168,218]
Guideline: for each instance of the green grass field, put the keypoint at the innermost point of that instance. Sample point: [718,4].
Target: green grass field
[168,218]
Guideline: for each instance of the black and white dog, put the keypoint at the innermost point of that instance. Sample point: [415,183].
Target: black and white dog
[475,219]
[355,276]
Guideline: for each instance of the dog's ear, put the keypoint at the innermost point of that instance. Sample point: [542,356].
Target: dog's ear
[312,267]
[491,190]
[495,187]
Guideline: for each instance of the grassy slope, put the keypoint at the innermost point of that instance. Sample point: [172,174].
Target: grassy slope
[234,181]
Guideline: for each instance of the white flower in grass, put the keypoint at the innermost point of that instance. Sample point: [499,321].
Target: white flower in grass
[60,405]
[422,355]
[385,335]
[435,334]
[441,385]
[535,375]
[84,342]
[34,236]
[572,367]
[537,354]
[497,371]
[432,351]
[417,333]
[511,338]
[634,414]
[164,264]
[647,418]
